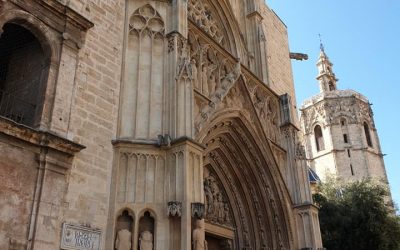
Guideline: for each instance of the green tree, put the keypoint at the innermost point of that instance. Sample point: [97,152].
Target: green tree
[355,216]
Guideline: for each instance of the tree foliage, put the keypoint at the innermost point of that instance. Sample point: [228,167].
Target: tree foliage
[356,216]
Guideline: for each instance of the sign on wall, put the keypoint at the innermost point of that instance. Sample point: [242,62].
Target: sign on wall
[80,238]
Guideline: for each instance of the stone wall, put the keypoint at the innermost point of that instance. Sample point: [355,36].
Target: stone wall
[18,175]
[280,76]
[94,113]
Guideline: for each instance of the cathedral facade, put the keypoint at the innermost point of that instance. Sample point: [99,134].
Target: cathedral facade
[340,136]
[149,124]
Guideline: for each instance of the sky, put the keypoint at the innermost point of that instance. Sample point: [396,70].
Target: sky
[362,40]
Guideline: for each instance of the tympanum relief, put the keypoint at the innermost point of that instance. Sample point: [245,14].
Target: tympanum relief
[217,209]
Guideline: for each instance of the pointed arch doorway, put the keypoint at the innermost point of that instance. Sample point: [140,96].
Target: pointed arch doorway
[243,200]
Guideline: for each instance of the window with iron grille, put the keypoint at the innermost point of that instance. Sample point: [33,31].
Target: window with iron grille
[23,75]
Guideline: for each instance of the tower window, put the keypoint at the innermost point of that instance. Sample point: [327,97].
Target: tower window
[367,134]
[331,86]
[351,169]
[319,139]
[348,153]
[24,68]
[345,138]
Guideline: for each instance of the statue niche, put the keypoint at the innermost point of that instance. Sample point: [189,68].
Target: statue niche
[124,226]
[146,232]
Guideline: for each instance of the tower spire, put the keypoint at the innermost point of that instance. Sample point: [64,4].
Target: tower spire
[321,45]
[326,78]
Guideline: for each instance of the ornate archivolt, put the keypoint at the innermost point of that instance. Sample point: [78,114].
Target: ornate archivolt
[244,174]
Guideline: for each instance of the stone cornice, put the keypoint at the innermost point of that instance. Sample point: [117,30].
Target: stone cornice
[39,138]
[63,19]
[59,10]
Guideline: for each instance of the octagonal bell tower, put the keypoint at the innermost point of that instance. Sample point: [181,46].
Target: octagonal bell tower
[340,136]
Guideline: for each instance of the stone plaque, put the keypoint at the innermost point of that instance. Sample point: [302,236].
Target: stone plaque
[80,238]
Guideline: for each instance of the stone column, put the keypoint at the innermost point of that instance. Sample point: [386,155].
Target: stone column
[307,223]
[255,18]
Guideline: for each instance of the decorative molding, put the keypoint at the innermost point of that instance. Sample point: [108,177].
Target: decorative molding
[174,209]
[198,210]
[39,138]
[200,14]
[147,19]
[67,22]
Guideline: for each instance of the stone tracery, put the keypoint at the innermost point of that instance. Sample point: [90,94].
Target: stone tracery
[200,14]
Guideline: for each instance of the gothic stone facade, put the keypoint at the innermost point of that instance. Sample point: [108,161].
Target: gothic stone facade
[340,136]
[144,124]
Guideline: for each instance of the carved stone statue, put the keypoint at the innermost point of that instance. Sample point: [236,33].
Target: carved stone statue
[194,73]
[184,66]
[123,241]
[216,208]
[199,238]
[204,78]
[209,196]
[146,241]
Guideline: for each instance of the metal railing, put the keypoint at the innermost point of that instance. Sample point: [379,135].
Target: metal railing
[16,109]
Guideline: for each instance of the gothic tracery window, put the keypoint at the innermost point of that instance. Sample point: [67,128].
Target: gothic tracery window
[319,139]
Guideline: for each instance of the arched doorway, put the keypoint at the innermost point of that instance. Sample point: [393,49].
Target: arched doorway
[243,198]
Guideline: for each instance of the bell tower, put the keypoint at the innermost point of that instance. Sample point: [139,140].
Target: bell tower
[326,78]
[339,131]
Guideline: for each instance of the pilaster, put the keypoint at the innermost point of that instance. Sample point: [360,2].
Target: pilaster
[308,228]
[180,89]
[187,156]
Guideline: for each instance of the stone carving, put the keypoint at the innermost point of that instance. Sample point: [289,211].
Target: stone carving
[174,209]
[200,14]
[184,64]
[300,151]
[228,80]
[267,107]
[146,241]
[194,73]
[216,207]
[329,111]
[147,20]
[199,240]
[210,69]
[123,241]
[198,210]
[226,244]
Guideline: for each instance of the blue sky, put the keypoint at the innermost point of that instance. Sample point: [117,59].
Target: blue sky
[362,39]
